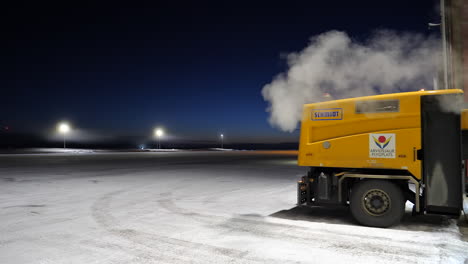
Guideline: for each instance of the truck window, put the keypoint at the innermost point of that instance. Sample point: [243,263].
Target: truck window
[377,106]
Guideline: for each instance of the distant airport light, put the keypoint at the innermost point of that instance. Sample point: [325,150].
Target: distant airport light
[64,128]
[158,132]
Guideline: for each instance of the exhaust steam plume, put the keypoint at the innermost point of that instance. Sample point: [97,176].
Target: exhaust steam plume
[335,64]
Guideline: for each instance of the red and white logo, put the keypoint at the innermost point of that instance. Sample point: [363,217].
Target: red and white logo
[382,146]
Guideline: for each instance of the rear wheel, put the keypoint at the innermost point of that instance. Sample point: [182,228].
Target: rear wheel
[378,203]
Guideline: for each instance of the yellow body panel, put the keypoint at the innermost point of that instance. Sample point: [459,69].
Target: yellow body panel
[464,119]
[380,132]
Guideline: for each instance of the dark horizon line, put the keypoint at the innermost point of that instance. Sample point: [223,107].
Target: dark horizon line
[126,146]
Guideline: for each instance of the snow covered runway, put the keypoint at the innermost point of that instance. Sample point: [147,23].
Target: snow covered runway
[191,207]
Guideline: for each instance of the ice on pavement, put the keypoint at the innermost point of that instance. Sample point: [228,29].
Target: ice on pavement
[45,150]
[221,207]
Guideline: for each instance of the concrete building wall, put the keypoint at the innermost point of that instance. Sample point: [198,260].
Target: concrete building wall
[464,32]
[457,36]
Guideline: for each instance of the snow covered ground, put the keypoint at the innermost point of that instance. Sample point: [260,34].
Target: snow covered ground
[28,151]
[192,207]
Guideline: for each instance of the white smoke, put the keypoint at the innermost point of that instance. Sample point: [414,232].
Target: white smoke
[334,63]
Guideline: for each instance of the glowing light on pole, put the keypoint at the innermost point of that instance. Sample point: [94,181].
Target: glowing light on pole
[64,128]
[158,132]
[222,141]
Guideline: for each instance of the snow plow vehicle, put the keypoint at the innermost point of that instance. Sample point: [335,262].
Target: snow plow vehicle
[375,153]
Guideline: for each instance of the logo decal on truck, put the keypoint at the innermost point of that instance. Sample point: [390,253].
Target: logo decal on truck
[327,114]
[382,146]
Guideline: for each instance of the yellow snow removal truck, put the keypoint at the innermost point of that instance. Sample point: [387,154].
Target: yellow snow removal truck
[375,153]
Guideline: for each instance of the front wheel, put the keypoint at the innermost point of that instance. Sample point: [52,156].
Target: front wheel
[378,203]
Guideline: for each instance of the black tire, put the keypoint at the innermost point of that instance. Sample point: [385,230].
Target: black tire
[377,203]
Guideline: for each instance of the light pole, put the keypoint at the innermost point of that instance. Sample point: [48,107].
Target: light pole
[63,128]
[222,141]
[444,44]
[446,49]
[158,132]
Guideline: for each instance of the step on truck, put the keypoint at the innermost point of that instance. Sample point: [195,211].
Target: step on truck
[375,153]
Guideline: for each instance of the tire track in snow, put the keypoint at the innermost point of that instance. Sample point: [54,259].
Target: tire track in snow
[390,249]
[172,249]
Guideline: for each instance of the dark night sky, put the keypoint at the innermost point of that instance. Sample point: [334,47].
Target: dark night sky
[197,68]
